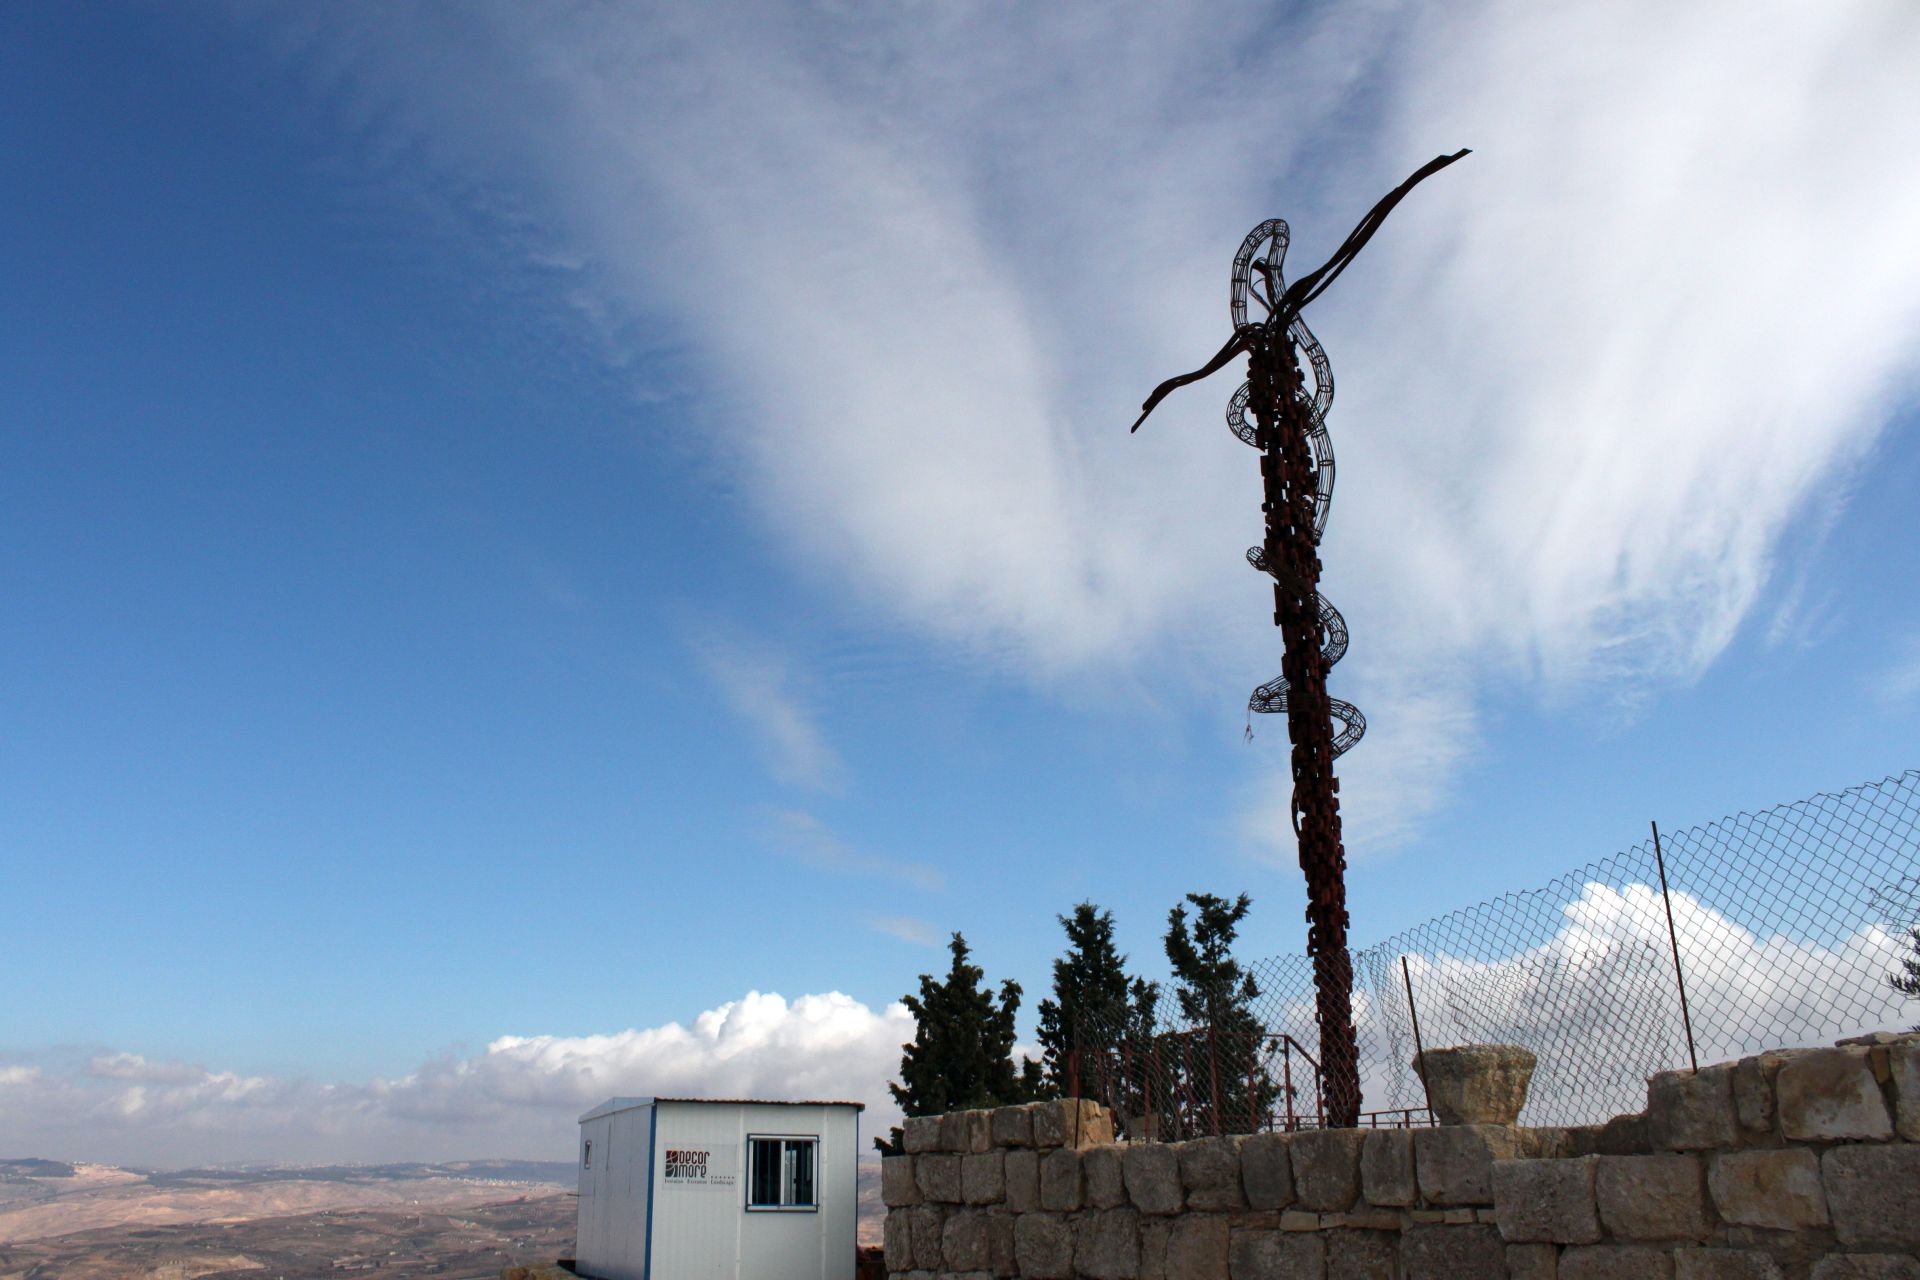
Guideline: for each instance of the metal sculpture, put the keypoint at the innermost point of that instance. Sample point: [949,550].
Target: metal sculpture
[1289,428]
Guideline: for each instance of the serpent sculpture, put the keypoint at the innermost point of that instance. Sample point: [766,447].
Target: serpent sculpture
[1276,413]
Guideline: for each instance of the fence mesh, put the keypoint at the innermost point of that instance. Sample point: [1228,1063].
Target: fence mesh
[1788,926]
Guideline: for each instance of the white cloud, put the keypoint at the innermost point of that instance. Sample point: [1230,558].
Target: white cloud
[929,260]
[804,838]
[519,1097]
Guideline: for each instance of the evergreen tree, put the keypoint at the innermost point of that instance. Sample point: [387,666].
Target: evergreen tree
[961,1056]
[1908,983]
[1090,1005]
[1223,1057]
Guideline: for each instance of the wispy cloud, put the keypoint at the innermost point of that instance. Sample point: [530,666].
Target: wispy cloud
[801,836]
[906,928]
[933,260]
[757,686]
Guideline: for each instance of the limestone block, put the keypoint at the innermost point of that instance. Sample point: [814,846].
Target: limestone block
[1725,1264]
[1779,1189]
[1753,1106]
[1532,1262]
[1071,1122]
[1476,1083]
[1022,1173]
[1386,1168]
[1299,1220]
[1276,1255]
[1829,1095]
[966,1243]
[896,1237]
[1043,1246]
[1361,1255]
[1661,1197]
[1326,1169]
[1106,1245]
[1691,1112]
[979,1131]
[1153,1247]
[924,1226]
[1625,1136]
[897,1187]
[921,1133]
[1105,1182]
[1266,1173]
[983,1177]
[1454,1164]
[938,1174]
[1867,1266]
[1903,1060]
[1546,1201]
[1152,1174]
[1060,1180]
[1210,1173]
[1197,1248]
[1873,1193]
[1615,1262]
[1452,1253]
[1011,1126]
[1366,1219]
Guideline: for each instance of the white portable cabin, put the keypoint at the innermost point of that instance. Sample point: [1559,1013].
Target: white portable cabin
[712,1189]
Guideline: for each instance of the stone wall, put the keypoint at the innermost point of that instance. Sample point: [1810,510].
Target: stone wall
[1792,1165]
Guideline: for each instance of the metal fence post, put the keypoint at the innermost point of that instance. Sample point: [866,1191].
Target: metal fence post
[1419,1051]
[1673,938]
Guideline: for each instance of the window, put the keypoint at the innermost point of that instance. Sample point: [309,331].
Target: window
[586,1154]
[780,1173]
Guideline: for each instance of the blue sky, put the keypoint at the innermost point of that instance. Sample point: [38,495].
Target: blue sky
[540,528]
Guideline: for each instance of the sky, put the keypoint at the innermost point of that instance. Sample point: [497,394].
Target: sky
[552,552]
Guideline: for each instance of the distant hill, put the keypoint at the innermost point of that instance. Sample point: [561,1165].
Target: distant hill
[29,1167]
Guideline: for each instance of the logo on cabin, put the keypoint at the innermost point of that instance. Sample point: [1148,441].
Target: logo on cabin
[687,1167]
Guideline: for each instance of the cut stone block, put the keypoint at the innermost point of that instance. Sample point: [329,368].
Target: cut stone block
[1326,1169]
[1725,1264]
[1106,1245]
[1451,1253]
[1866,1266]
[1106,1186]
[983,1178]
[920,1133]
[1361,1255]
[1753,1079]
[1386,1168]
[1060,1180]
[1266,1172]
[1546,1201]
[1615,1262]
[924,1224]
[1012,1126]
[897,1187]
[1691,1112]
[938,1174]
[1043,1246]
[966,1243]
[1830,1095]
[1454,1163]
[1873,1193]
[1903,1060]
[896,1237]
[1022,1169]
[1197,1248]
[1276,1255]
[1476,1083]
[1778,1189]
[1152,1173]
[1661,1197]
[1210,1173]
[1532,1262]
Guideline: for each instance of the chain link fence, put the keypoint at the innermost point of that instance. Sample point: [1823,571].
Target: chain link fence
[1782,928]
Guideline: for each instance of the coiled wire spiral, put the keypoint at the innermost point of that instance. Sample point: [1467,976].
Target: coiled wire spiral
[1257,275]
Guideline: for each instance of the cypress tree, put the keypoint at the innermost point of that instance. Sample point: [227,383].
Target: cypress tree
[1223,1057]
[1090,1004]
[961,1055]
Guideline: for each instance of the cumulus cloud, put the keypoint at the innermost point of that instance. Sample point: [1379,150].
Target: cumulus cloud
[520,1096]
[925,263]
